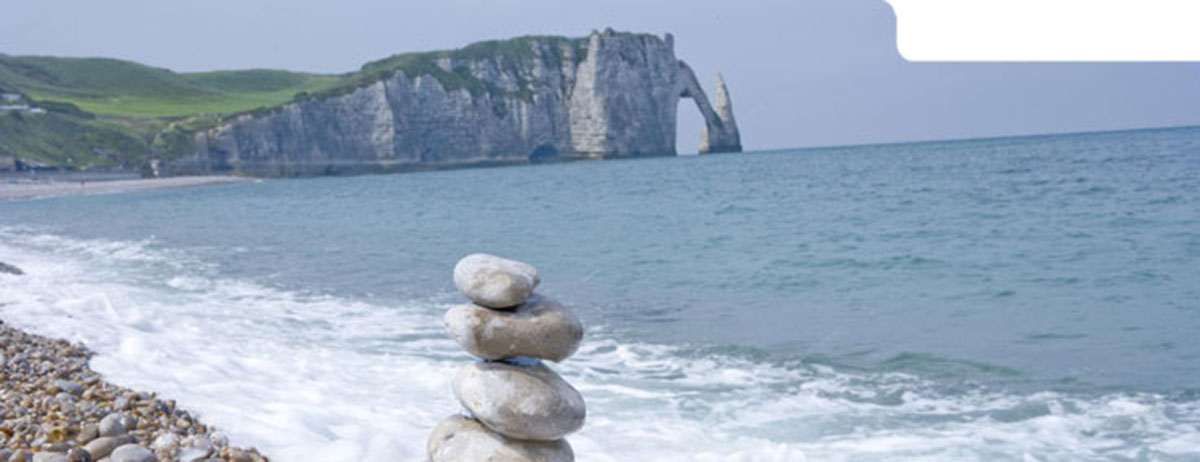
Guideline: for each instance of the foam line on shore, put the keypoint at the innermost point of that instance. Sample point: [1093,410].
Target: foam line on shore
[318,377]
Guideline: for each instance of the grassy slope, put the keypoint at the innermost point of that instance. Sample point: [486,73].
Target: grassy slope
[65,140]
[115,110]
[125,89]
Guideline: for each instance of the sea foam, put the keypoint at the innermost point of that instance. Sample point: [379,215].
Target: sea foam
[317,377]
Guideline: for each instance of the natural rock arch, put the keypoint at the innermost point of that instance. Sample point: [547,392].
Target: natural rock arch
[610,95]
[720,129]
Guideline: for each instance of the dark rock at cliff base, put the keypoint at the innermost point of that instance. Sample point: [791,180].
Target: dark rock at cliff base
[6,268]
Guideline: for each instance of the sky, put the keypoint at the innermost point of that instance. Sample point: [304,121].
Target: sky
[800,72]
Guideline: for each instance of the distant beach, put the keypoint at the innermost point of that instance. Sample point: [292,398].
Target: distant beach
[15,190]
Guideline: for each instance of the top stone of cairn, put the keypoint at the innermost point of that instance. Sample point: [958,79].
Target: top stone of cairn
[495,282]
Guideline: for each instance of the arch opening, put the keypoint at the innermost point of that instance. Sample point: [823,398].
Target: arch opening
[689,127]
[720,132]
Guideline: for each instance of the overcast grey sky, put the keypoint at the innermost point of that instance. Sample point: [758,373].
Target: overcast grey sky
[801,73]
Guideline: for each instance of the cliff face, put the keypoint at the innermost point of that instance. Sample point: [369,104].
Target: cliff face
[609,95]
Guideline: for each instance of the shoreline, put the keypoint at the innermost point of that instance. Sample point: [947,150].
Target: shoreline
[12,191]
[55,408]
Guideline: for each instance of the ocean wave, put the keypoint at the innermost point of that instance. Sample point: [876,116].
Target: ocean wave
[307,376]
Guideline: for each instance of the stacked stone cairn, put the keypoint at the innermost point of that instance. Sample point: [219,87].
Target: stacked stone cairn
[517,408]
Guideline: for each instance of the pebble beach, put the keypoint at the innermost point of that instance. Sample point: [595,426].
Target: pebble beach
[54,408]
[35,190]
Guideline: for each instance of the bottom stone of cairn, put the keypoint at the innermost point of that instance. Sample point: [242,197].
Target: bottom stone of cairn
[461,439]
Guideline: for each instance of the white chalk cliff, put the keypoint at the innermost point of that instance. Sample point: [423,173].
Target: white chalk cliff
[528,99]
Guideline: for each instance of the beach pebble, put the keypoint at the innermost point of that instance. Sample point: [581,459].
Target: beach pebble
[131,453]
[523,402]
[49,457]
[4,453]
[112,425]
[21,455]
[462,439]
[123,403]
[195,448]
[238,455]
[165,442]
[129,422]
[104,445]
[87,433]
[78,455]
[219,439]
[493,281]
[539,328]
[69,387]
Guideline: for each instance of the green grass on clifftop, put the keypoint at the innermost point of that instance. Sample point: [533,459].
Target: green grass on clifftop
[126,89]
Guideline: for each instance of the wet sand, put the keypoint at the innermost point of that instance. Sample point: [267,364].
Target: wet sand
[15,191]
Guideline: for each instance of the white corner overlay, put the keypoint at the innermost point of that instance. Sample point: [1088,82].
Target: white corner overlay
[1048,30]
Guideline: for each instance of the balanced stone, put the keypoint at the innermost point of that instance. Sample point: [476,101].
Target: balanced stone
[494,282]
[539,328]
[522,402]
[462,439]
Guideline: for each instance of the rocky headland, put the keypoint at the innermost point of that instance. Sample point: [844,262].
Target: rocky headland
[529,99]
[518,100]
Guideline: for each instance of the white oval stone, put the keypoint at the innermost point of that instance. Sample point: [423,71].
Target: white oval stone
[131,453]
[494,282]
[522,402]
[539,328]
[461,439]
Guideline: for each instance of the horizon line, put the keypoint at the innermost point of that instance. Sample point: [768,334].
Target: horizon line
[978,138]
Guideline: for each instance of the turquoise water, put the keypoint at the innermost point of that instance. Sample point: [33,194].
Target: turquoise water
[994,299]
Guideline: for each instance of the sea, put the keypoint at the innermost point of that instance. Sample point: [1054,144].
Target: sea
[1008,299]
